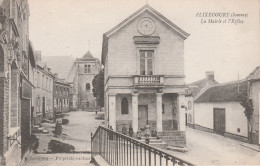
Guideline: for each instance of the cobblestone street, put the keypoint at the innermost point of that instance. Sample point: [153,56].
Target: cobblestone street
[212,149]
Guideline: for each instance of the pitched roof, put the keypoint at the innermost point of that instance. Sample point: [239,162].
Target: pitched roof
[59,64]
[198,86]
[88,55]
[72,73]
[148,8]
[254,73]
[233,91]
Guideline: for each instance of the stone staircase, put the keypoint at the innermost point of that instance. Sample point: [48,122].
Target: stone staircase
[158,143]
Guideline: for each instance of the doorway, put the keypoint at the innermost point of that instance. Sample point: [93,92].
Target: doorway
[25,125]
[219,121]
[142,116]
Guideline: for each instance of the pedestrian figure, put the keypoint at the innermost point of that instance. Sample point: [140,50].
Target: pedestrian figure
[154,132]
[58,126]
[124,130]
[131,131]
[138,134]
[96,112]
[147,133]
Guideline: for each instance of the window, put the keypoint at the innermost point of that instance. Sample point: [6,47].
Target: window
[189,118]
[163,111]
[47,82]
[38,103]
[189,105]
[124,106]
[38,79]
[42,81]
[146,62]
[87,87]
[87,68]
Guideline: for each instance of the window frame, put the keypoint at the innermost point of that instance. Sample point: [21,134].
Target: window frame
[87,89]
[147,47]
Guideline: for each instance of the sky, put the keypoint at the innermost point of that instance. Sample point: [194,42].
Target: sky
[72,27]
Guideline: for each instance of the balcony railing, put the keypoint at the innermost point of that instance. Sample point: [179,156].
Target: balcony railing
[148,81]
[120,150]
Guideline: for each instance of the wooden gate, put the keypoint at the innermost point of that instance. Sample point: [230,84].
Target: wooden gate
[219,121]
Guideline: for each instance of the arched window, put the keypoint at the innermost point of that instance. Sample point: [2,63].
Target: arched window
[124,106]
[87,86]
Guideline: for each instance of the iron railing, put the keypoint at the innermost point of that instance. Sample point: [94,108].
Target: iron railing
[121,150]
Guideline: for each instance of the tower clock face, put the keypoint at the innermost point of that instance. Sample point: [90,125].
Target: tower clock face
[146,26]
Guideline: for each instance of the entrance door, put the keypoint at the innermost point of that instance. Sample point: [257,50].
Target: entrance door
[219,121]
[43,107]
[25,125]
[142,115]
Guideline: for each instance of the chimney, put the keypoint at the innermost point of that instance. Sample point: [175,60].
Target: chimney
[56,76]
[210,75]
[38,56]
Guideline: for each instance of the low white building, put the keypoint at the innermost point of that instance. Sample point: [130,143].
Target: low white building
[219,110]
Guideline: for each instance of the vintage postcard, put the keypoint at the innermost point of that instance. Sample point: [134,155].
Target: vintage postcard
[124,83]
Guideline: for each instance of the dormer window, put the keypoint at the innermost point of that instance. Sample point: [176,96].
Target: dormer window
[146,62]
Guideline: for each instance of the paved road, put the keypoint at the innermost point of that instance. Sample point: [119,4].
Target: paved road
[212,149]
[81,124]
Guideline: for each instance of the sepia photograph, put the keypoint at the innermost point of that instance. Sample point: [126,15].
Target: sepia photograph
[129,82]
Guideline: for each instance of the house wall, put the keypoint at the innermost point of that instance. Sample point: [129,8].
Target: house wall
[123,60]
[255,95]
[41,91]
[61,98]
[234,113]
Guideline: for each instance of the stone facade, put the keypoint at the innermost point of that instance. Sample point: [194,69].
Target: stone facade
[16,65]
[61,97]
[144,73]
[43,94]
[80,78]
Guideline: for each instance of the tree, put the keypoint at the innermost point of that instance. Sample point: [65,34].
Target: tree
[98,88]
[248,105]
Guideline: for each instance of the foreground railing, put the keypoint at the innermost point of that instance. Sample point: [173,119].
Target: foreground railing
[120,150]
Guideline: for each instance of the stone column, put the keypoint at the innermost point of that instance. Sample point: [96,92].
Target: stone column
[181,112]
[135,111]
[112,110]
[159,111]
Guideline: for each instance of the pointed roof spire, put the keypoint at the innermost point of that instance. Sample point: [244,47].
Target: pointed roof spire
[88,55]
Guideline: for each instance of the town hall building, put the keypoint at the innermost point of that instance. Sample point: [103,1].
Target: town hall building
[144,77]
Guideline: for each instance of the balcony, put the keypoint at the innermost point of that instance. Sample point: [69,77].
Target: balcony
[148,81]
